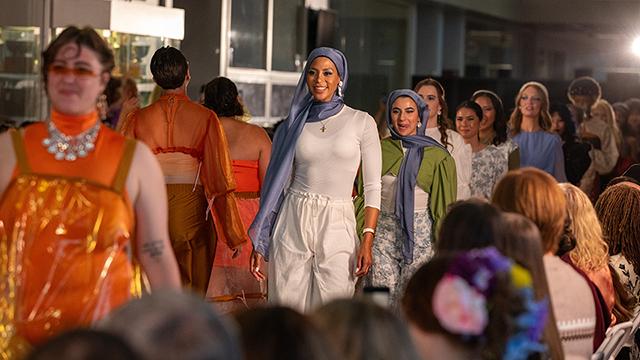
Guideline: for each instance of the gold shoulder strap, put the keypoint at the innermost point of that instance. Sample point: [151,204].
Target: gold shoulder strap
[120,179]
[19,150]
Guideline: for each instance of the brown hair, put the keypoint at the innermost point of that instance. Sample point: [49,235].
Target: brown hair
[544,119]
[86,37]
[618,208]
[523,244]
[536,195]
[442,118]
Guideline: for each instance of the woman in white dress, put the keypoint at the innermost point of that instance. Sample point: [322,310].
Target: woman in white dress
[306,226]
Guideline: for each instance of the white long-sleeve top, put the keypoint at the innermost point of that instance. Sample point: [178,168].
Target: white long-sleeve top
[326,163]
[462,155]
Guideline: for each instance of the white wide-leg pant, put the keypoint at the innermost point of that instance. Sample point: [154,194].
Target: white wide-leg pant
[313,251]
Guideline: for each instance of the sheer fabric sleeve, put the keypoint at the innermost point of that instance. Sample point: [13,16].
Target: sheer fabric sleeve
[558,164]
[217,177]
[371,154]
[443,189]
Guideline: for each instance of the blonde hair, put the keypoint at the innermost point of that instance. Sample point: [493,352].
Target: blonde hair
[544,119]
[536,195]
[591,252]
[610,118]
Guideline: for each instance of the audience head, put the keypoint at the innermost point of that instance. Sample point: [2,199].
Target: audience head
[536,195]
[562,122]
[523,244]
[221,96]
[169,67]
[633,120]
[281,333]
[618,209]
[584,92]
[172,325]
[532,101]
[475,303]
[493,114]
[362,330]
[591,252]
[469,224]
[84,344]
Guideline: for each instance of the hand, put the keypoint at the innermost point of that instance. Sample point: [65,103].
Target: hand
[255,264]
[364,255]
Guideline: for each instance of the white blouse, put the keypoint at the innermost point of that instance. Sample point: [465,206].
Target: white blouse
[462,155]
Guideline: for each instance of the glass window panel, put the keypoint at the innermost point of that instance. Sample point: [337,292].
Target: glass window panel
[287,35]
[253,97]
[247,47]
[281,96]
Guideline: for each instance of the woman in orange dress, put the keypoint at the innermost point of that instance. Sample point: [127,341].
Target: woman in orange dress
[231,286]
[76,214]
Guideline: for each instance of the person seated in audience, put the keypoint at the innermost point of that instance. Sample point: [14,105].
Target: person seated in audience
[536,195]
[167,325]
[474,305]
[281,333]
[523,244]
[618,209]
[362,330]
[84,344]
[469,224]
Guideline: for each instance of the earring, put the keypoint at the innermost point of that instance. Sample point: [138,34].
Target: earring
[102,106]
[419,125]
[340,88]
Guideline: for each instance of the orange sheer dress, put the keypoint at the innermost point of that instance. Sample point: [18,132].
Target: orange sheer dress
[232,287]
[65,235]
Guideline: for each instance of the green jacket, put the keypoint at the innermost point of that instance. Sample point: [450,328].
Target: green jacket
[436,176]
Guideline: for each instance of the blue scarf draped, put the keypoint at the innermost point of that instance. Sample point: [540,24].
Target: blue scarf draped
[408,174]
[303,110]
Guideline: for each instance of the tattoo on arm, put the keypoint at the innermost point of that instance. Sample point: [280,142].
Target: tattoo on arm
[153,248]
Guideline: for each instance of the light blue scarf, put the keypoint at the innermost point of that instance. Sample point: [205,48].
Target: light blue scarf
[303,110]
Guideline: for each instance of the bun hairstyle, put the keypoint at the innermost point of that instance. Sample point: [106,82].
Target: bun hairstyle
[221,96]
[479,300]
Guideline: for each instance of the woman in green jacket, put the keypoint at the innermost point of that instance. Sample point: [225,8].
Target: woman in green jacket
[418,183]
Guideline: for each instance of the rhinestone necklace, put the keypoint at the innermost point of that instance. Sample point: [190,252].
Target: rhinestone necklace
[70,148]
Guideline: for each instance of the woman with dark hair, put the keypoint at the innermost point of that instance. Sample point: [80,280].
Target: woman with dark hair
[576,153]
[80,205]
[418,183]
[432,92]
[306,224]
[530,125]
[493,127]
[469,224]
[231,286]
[489,163]
[474,305]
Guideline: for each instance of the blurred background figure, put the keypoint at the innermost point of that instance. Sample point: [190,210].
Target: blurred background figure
[170,325]
[576,153]
[271,333]
[361,330]
[231,285]
[85,344]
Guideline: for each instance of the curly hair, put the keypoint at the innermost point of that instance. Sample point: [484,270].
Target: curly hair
[618,208]
[221,96]
[499,123]
[444,109]
[544,119]
[591,252]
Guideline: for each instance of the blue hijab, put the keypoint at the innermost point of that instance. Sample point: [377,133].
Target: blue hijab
[408,174]
[303,110]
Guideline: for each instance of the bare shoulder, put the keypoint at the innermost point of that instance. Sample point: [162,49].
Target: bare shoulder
[7,160]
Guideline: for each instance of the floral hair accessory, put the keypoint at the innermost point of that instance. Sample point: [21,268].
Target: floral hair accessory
[461,301]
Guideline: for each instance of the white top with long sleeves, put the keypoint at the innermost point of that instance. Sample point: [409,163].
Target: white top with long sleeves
[462,155]
[326,163]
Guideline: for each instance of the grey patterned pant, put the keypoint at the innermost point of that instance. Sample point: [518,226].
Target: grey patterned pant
[388,268]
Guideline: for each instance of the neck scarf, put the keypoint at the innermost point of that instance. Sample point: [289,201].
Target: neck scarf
[303,110]
[407,176]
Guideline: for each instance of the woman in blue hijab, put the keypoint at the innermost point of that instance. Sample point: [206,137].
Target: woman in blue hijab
[306,227]
[418,183]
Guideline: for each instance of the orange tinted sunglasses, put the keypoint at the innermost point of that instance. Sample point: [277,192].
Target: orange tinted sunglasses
[76,71]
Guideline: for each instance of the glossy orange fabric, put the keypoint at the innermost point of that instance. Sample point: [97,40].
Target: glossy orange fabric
[64,240]
[176,124]
[232,287]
